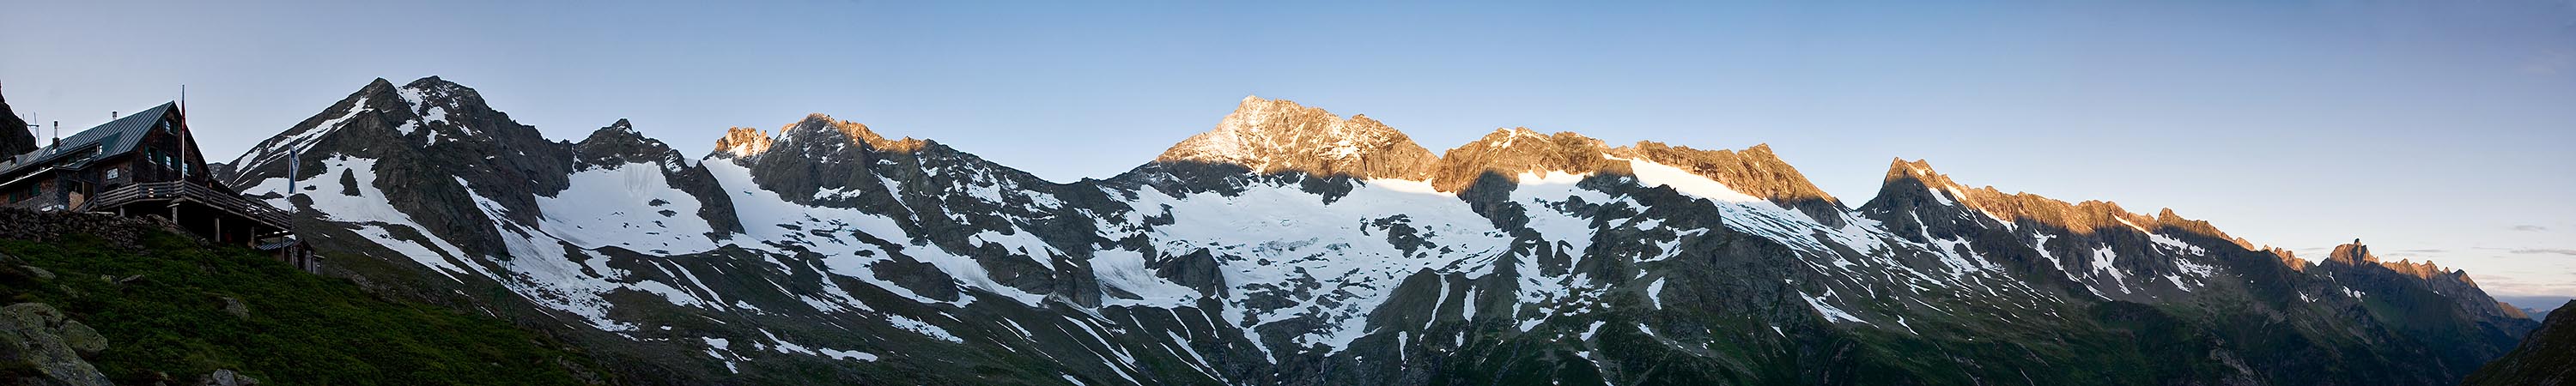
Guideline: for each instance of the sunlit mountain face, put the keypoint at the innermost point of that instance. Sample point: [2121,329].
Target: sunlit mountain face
[1294,246]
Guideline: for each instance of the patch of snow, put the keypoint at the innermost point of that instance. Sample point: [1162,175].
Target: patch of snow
[1656,174]
[1828,310]
[923,328]
[1655,293]
[2106,262]
[1126,271]
[279,148]
[2173,244]
[850,355]
[368,212]
[1269,240]
[623,206]
[764,213]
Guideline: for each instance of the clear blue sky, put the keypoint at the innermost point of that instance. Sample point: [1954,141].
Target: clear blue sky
[2428,128]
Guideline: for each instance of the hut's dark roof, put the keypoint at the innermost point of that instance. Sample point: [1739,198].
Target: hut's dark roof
[113,138]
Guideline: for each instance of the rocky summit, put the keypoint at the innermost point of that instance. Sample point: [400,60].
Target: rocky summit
[1273,136]
[1292,246]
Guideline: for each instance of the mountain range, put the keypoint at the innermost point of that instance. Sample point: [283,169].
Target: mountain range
[1293,246]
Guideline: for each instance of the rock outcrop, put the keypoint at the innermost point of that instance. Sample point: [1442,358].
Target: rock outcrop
[34,335]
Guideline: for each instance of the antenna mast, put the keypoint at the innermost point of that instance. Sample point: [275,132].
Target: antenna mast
[181,128]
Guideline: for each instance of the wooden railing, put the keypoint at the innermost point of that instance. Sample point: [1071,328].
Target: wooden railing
[179,190]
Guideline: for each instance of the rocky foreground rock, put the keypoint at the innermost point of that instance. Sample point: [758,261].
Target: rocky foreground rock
[34,336]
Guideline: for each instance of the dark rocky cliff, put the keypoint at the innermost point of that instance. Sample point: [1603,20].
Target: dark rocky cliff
[15,138]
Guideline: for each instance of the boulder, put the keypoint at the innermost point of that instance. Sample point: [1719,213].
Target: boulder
[227,378]
[30,315]
[82,338]
[39,273]
[34,335]
[235,307]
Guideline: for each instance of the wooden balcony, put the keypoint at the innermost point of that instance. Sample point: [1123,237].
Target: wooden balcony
[176,193]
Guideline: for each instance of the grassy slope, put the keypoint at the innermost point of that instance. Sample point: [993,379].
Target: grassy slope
[2547,357]
[301,329]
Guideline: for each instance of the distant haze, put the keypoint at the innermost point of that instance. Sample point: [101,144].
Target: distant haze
[2430,130]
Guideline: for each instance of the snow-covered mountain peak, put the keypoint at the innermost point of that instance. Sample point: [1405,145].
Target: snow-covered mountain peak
[424,112]
[432,102]
[619,144]
[435,91]
[821,127]
[1273,136]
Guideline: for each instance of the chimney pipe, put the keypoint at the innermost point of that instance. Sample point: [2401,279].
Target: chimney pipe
[111,115]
